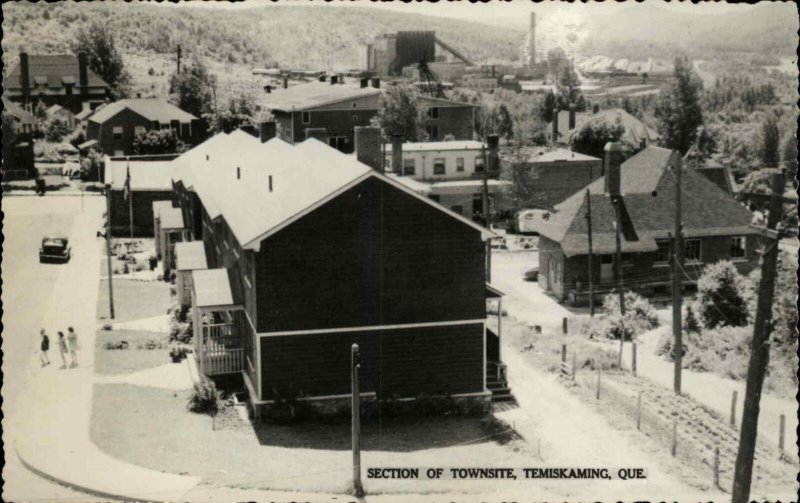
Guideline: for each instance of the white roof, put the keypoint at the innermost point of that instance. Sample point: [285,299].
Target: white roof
[190,255]
[171,218]
[159,206]
[145,175]
[438,146]
[560,154]
[212,287]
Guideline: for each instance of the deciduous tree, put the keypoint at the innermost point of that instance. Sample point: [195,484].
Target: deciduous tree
[592,136]
[678,111]
[162,141]
[401,115]
[97,41]
[192,89]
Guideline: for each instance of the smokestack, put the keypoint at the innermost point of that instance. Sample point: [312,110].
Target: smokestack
[492,142]
[368,147]
[376,83]
[83,74]
[571,116]
[613,164]
[179,59]
[25,76]
[397,154]
[532,42]
[267,131]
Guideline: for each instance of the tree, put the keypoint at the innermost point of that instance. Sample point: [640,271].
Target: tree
[789,155]
[691,323]
[192,89]
[10,133]
[770,141]
[568,86]
[678,110]
[240,111]
[722,296]
[157,141]
[591,137]
[506,126]
[705,145]
[97,42]
[400,114]
[556,59]
[56,130]
[548,105]
[758,182]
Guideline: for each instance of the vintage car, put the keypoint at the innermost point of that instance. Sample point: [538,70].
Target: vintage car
[54,249]
[531,274]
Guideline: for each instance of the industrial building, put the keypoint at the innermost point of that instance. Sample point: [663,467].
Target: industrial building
[389,53]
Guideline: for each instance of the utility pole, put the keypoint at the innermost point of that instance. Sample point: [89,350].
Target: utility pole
[759,348]
[488,162]
[179,59]
[677,282]
[618,229]
[355,360]
[108,252]
[589,222]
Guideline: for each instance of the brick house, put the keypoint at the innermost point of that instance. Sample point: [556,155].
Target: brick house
[329,111]
[55,79]
[115,126]
[279,313]
[716,227]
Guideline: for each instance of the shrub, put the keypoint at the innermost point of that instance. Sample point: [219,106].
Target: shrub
[108,326]
[118,345]
[151,344]
[178,353]
[57,129]
[181,327]
[722,296]
[640,315]
[601,359]
[205,398]
[690,322]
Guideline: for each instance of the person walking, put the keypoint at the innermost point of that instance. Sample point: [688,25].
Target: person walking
[62,349]
[72,339]
[44,347]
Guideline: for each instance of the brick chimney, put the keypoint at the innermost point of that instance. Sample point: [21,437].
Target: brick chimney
[613,171]
[493,159]
[376,83]
[571,116]
[397,154]
[25,76]
[267,131]
[320,133]
[368,147]
[83,73]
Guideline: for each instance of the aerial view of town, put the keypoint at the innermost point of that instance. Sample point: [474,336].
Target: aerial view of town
[360,251]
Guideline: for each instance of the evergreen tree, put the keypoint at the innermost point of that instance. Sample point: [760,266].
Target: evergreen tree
[721,296]
[506,125]
[679,112]
[770,141]
[192,89]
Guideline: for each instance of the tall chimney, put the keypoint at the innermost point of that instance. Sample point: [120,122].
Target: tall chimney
[368,147]
[83,73]
[613,165]
[571,116]
[179,58]
[267,130]
[25,76]
[397,154]
[532,42]
[492,142]
[376,83]
[555,125]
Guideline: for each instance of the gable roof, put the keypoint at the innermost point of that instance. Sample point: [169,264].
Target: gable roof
[648,195]
[546,154]
[145,175]
[150,108]
[52,70]
[719,176]
[315,94]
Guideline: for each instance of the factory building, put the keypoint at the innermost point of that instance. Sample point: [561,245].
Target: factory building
[389,53]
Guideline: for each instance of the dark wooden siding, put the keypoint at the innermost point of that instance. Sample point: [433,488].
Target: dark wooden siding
[374,255]
[402,362]
[142,202]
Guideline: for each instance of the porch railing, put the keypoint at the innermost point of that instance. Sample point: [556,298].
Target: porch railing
[222,350]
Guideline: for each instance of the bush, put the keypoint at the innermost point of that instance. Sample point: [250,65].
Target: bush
[151,344]
[116,345]
[181,327]
[640,315]
[56,130]
[205,398]
[722,296]
[178,353]
[108,326]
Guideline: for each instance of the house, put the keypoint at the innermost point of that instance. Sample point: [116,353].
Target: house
[64,114]
[283,306]
[150,182]
[716,227]
[115,126]
[637,135]
[55,79]
[543,177]
[18,156]
[450,173]
[329,111]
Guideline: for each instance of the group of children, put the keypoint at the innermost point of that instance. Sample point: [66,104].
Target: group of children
[65,345]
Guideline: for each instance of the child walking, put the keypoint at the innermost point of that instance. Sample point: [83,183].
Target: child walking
[62,349]
[72,338]
[44,347]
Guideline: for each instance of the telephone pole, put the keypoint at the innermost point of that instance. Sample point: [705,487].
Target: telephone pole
[759,348]
[355,360]
[618,228]
[589,236]
[108,252]
[677,283]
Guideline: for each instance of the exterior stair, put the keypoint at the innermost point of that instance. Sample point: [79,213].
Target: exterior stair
[496,382]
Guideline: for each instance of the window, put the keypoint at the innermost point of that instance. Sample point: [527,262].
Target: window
[340,143]
[479,164]
[693,250]
[662,254]
[409,167]
[459,164]
[738,247]
[438,166]
[139,130]
[433,132]
[117,132]
[306,117]
[433,113]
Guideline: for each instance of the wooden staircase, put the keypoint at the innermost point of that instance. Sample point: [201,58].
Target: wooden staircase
[496,382]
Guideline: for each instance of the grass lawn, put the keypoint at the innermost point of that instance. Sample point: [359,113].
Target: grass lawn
[124,361]
[134,299]
[151,427]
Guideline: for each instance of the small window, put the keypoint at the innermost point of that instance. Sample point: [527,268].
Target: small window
[693,250]
[433,132]
[479,164]
[459,164]
[738,247]
[433,113]
[662,254]
[117,132]
[306,117]
[409,167]
[438,167]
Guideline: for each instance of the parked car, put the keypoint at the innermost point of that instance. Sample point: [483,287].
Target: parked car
[54,249]
[531,274]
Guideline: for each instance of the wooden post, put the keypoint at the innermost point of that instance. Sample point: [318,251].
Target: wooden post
[639,411]
[108,253]
[589,236]
[759,349]
[564,327]
[716,467]
[781,434]
[633,358]
[733,408]
[598,383]
[355,360]
[573,365]
[677,283]
[674,437]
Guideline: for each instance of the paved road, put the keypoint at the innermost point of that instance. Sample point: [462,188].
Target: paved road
[28,303]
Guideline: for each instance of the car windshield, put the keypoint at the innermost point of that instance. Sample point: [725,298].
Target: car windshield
[53,249]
